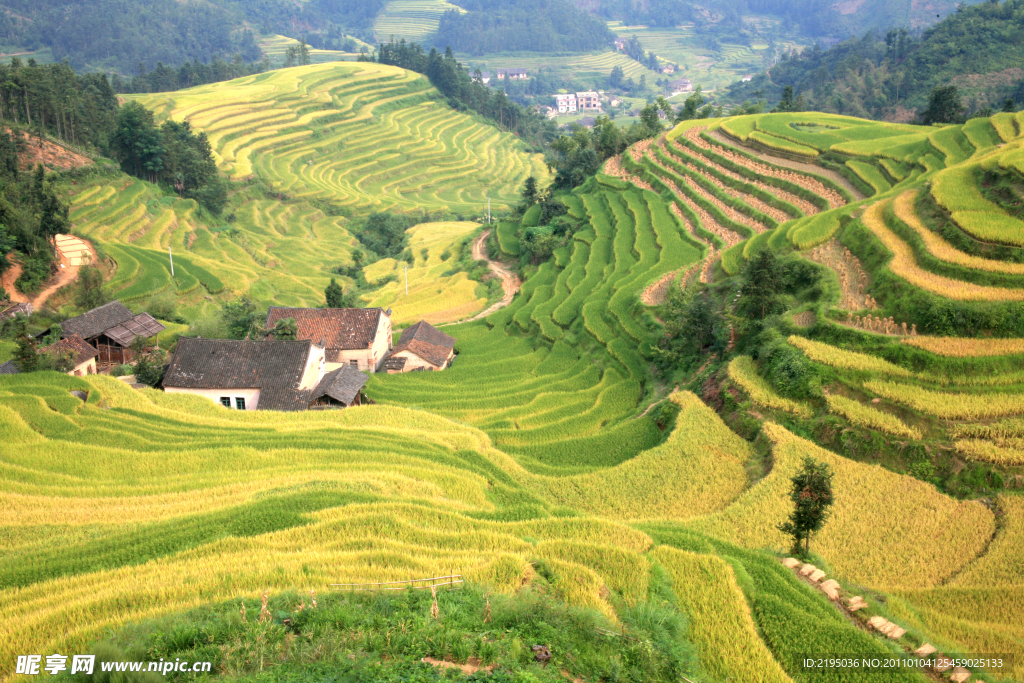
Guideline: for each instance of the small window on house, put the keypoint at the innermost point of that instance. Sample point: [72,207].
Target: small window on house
[240,403]
[354,363]
[225,401]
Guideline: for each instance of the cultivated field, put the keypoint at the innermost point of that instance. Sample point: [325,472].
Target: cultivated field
[361,136]
[411,20]
[432,295]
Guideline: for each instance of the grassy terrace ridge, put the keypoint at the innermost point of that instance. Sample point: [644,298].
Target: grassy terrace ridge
[362,136]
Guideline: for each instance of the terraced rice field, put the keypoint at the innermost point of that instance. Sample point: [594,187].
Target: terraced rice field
[276,47]
[581,65]
[411,20]
[557,406]
[433,296]
[712,69]
[360,136]
[273,251]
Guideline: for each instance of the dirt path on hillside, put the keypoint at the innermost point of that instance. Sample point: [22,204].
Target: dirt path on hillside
[509,280]
[68,265]
[795,165]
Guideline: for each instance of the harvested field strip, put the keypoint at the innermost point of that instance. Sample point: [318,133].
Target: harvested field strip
[749,193]
[743,372]
[948,406]
[920,550]
[904,265]
[708,191]
[873,418]
[903,208]
[693,143]
[803,172]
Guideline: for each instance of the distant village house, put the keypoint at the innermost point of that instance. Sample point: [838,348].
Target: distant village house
[512,74]
[421,347]
[588,100]
[11,310]
[680,85]
[746,79]
[262,375]
[566,104]
[356,337]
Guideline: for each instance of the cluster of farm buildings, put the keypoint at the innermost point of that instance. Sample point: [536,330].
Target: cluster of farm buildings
[325,366]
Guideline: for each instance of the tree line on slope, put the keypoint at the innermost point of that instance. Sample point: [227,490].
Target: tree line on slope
[464,92]
[121,35]
[871,77]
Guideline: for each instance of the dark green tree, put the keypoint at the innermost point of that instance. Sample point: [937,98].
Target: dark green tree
[811,493]
[1009,105]
[692,325]
[529,191]
[149,365]
[242,318]
[334,294]
[944,106]
[763,283]
[25,355]
[89,291]
[789,101]
[285,329]
[690,107]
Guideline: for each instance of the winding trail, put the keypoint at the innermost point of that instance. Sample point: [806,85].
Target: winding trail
[795,165]
[68,264]
[509,280]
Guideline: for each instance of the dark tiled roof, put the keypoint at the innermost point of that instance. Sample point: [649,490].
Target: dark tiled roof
[142,325]
[427,342]
[396,364]
[338,329]
[238,364]
[97,321]
[80,350]
[343,385]
[9,368]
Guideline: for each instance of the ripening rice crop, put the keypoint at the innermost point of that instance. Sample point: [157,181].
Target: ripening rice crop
[903,207]
[949,406]
[964,347]
[1005,452]
[848,360]
[720,622]
[743,372]
[432,295]
[871,503]
[904,265]
[1001,564]
[700,468]
[956,189]
[360,135]
[860,414]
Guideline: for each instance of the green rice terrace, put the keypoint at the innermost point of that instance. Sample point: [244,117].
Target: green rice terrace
[550,466]
[361,136]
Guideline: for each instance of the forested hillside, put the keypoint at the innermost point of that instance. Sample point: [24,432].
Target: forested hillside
[978,49]
[530,25]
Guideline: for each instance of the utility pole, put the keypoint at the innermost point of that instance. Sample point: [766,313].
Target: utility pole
[169,254]
[407,279]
